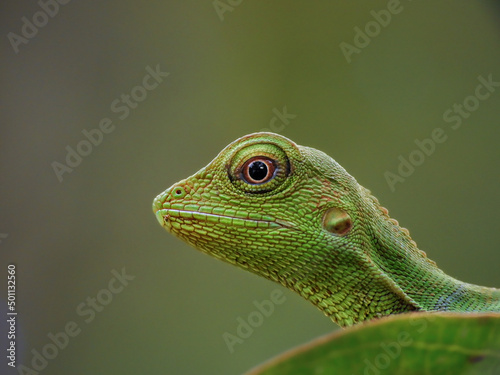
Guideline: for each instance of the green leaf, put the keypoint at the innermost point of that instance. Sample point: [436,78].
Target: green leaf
[409,344]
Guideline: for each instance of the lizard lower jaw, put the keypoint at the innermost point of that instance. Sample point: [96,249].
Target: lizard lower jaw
[160,216]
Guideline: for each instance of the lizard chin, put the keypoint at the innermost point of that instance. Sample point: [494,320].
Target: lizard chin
[162,217]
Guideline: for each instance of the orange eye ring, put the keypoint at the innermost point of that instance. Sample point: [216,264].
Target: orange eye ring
[258,170]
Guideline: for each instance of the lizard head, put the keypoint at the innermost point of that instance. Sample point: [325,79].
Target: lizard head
[288,213]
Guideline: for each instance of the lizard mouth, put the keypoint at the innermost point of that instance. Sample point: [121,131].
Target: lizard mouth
[173,216]
[168,217]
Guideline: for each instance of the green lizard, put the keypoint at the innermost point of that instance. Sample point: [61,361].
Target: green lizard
[293,215]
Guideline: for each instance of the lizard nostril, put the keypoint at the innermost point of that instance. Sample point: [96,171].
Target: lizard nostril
[178,192]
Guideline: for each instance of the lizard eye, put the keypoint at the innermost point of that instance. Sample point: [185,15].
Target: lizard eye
[261,168]
[258,170]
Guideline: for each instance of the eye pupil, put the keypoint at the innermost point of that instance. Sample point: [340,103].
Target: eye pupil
[258,170]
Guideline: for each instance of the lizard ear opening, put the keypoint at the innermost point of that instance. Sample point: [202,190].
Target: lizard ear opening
[337,221]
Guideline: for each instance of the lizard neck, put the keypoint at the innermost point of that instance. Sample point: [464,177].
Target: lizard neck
[399,258]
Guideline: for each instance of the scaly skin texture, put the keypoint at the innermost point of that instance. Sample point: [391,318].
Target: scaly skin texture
[293,215]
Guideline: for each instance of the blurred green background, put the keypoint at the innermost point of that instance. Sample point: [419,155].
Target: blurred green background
[227,74]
